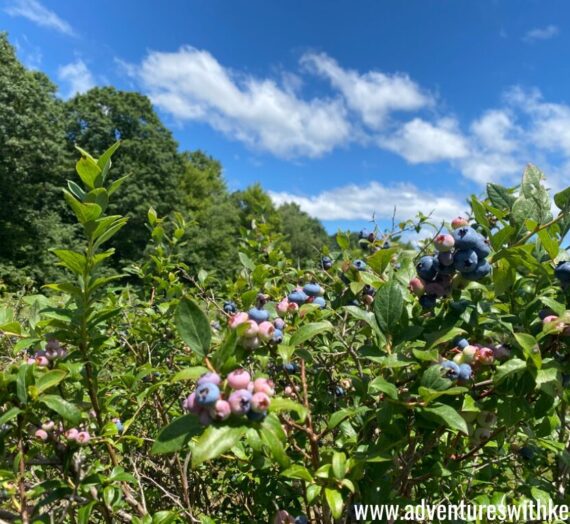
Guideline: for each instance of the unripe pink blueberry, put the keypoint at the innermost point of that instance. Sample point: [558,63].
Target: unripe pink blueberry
[264,385]
[252,329]
[239,379]
[205,418]
[221,410]
[260,402]
[266,330]
[41,361]
[549,319]
[288,391]
[237,319]
[71,434]
[211,377]
[458,222]
[279,323]
[501,352]
[41,434]
[240,401]
[416,286]
[190,405]
[30,360]
[444,243]
[283,517]
[83,438]
[368,299]
[283,307]
[485,356]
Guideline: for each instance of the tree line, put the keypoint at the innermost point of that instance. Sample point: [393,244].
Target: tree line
[38,135]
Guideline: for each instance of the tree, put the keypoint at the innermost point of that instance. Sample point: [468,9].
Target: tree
[148,155]
[306,235]
[32,167]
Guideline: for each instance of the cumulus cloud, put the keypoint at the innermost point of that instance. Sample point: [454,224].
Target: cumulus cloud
[373,95]
[77,76]
[353,202]
[38,14]
[192,85]
[541,33]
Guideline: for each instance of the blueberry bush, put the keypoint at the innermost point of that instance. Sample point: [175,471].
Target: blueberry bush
[382,373]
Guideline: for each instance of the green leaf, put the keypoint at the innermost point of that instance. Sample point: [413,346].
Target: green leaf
[550,244]
[501,237]
[379,261]
[50,379]
[9,415]
[530,348]
[429,395]
[309,331]
[84,212]
[23,379]
[562,199]
[510,367]
[103,160]
[116,184]
[334,500]
[193,327]
[343,240]
[500,196]
[192,373]
[246,261]
[339,416]
[275,446]
[433,379]
[73,261]
[62,407]
[215,441]
[176,435]
[338,465]
[297,471]
[361,314]
[389,306]
[88,170]
[98,196]
[279,404]
[380,384]
[447,416]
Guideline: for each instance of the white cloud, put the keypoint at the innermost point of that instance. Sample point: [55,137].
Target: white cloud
[541,33]
[77,76]
[39,14]
[355,202]
[419,141]
[496,131]
[192,85]
[373,95]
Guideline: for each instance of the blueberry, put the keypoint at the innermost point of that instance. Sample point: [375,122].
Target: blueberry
[320,301]
[465,260]
[326,262]
[359,265]
[312,290]
[339,391]
[427,268]
[562,272]
[363,234]
[301,519]
[386,244]
[465,371]
[466,238]
[368,290]
[256,417]
[451,368]
[259,315]
[482,248]
[277,336]
[291,368]
[207,394]
[428,301]
[527,453]
[462,343]
[481,271]
[230,307]
[240,401]
[445,259]
[298,297]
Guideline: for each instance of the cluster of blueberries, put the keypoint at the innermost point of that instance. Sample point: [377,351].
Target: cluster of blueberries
[52,352]
[310,293]
[49,430]
[464,250]
[469,355]
[485,421]
[215,400]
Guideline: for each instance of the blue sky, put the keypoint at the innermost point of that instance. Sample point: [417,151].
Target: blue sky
[347,108]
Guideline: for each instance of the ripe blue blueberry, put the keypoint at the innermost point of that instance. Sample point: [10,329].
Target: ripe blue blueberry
[326,262]
[482,248]
[451,369]
[562,272]
[312,289]
[465,372]
[207,394]
[363,234]
[277,336]
[466,238]
[256,417]
[291,367]
[462,343]
[465,260]
[320,301]
[481,271]
[527,452]
[428,301]
[301,519]
[359,265]
[230,307]
[386,244]
[427,268]
[299,297]
[339,391]
[259,315]
[368,290]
